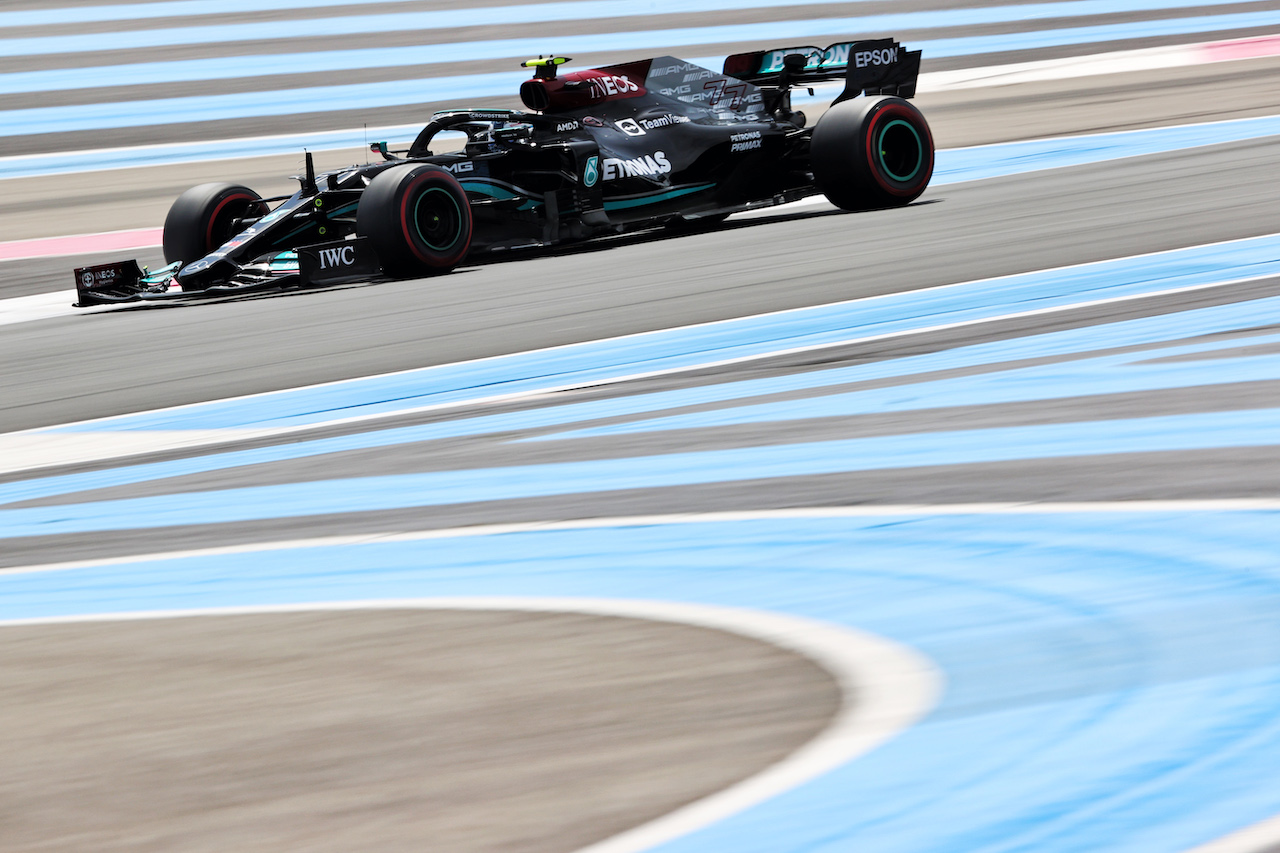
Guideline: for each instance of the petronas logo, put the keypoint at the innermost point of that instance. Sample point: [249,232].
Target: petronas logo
[591,173]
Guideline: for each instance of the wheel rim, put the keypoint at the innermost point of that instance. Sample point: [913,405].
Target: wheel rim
[438,219]
[901,151]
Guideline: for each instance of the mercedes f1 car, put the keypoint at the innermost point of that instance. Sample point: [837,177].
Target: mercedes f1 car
[598,152]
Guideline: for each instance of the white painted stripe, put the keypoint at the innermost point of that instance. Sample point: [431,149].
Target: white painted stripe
[29,451]
[1262,837]
[1115,62]
[1099,64]
[862,511]
[40,306]
[885,687]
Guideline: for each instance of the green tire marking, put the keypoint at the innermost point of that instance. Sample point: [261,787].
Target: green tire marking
[417,218]
[919,151]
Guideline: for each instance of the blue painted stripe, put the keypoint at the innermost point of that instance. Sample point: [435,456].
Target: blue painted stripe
[1147,330]
[1212,430]
[1113,680]
[1115,374]
[62,119]
[1068,36]
[348,25]
[1014,158]
[739,338]
[166,9]
[72,162]
[953,165]
[315,62]
[44,120]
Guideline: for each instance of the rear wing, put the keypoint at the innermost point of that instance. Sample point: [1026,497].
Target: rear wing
[872,67]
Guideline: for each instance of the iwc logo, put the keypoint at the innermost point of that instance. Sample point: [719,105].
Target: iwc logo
[591,173]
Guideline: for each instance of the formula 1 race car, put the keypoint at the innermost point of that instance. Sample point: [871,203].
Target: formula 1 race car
[658,142]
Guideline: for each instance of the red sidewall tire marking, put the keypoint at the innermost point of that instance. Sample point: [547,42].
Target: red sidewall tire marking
[889,113]
[464,213]
[213,218]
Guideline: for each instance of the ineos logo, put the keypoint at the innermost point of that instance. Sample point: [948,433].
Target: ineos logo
[607,86]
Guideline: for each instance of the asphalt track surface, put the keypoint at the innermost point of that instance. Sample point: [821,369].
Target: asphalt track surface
[984,493]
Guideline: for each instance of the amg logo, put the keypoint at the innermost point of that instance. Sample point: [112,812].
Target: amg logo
[459,168]
[338,256]
[673,69]
[648,167]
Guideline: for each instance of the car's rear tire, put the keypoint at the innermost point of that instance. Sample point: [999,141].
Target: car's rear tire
[205,217]
[417,219]
[872,152]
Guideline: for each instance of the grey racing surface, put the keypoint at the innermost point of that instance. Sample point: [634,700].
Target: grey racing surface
[185,353]
[600,717]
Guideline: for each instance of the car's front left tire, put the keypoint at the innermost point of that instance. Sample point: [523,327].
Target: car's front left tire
[206,216]
[417,218]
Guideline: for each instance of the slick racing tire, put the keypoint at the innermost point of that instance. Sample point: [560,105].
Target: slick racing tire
[872,152]
[417,219]
[205,217]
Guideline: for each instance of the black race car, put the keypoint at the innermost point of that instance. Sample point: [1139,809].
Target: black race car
[644,144]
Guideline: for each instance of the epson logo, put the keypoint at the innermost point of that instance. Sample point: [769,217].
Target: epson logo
[648,167]
[338,256]
[863,58]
